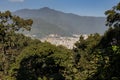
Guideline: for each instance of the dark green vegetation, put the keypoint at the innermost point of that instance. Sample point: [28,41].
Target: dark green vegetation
[94,58]
[48,21]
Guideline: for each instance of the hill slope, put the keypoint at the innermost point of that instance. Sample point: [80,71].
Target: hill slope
[48,21]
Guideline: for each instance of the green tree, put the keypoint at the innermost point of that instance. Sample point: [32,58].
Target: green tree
[113,16]
[9,25]
[43,62]
[86,56]
[110,48]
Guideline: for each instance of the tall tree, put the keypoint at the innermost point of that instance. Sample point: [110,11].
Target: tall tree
[113,20]
[109,46]
[86,56]
[9,25]
[113,16]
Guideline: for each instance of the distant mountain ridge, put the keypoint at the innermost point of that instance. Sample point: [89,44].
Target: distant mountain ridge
[49,21]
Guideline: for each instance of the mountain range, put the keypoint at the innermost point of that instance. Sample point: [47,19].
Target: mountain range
[49,21]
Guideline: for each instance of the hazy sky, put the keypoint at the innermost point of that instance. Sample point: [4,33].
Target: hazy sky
[81,7]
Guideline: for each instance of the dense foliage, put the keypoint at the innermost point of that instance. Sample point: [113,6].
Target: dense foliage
[43,61]
[9,25]
[110,48]
[94,58]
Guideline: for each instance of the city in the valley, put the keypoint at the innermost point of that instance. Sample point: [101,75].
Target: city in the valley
[68,42]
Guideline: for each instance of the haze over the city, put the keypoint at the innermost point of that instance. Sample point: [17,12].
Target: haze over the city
[59,39]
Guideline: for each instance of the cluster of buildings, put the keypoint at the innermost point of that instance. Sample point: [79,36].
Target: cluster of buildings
[64,41]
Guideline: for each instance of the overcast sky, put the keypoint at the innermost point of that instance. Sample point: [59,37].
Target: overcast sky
[80,7]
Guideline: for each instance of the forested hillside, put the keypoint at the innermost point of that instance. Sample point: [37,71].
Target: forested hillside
[94,58]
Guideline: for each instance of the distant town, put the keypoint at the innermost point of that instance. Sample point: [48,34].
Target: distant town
[67,42]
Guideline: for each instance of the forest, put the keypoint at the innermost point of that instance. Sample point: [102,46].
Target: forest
[24,58]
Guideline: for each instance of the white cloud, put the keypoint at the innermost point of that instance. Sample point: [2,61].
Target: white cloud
[16,0]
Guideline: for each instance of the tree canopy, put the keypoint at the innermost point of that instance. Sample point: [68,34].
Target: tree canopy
[94,58]
[9,25]
[43,61]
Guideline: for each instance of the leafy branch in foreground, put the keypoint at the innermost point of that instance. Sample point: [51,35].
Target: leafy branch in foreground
[9,25]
